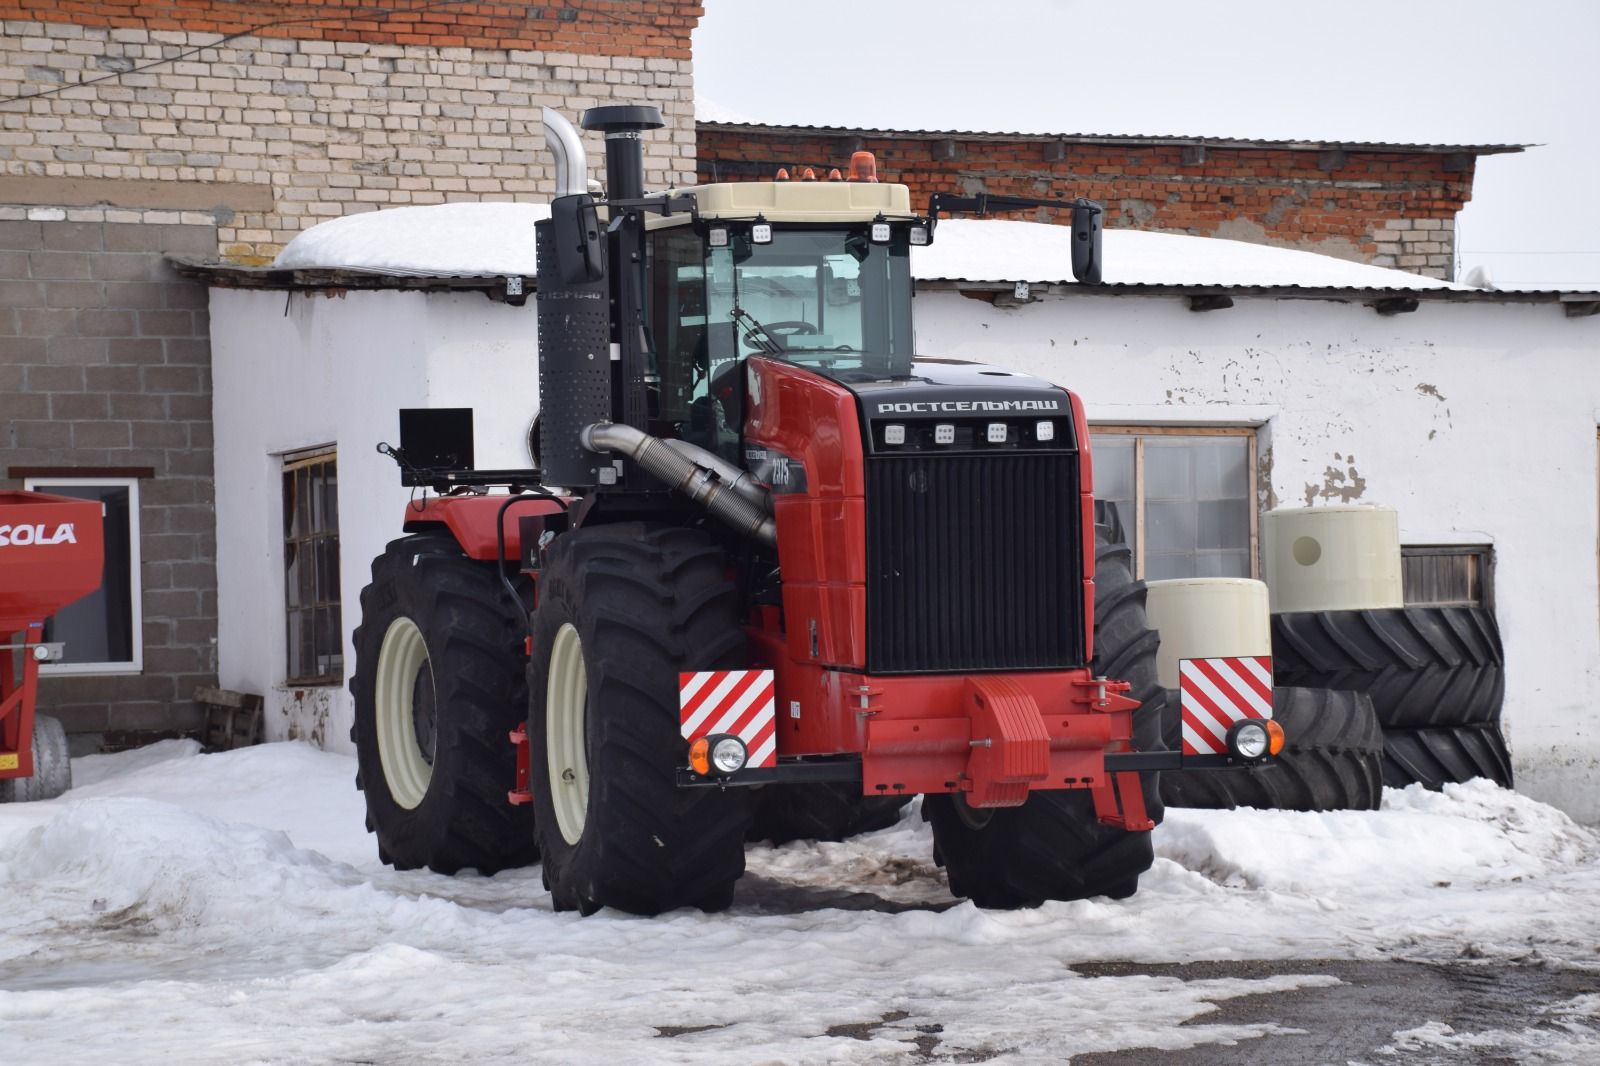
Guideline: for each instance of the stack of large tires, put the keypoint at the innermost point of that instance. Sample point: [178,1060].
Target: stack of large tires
[1434,676]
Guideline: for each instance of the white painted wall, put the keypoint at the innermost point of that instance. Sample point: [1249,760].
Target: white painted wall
[336,371]
[1476,421]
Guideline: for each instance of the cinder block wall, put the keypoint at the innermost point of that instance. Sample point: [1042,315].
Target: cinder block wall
[107,371]
[1389,208]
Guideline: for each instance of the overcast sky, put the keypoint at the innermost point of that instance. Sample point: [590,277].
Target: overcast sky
[1463,72]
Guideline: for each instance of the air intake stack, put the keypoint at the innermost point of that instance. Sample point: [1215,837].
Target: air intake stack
[622,125]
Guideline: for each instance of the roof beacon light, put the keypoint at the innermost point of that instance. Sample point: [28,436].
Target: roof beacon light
[761,230]
[808,174]
[863,166]
[783,174]
[834,175]
[944,433]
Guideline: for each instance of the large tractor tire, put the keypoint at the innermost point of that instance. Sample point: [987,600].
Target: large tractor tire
[52,765]
[1423,667]
[622,610]
[1052,847]
[1436,757]
[825,811]
[438,687]
[1331,760]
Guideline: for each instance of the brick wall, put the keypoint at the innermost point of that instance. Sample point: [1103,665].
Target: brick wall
[107,366]
[276,131]
[1389,208]
[599,28]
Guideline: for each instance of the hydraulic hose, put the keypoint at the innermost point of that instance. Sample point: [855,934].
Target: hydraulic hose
[695,472]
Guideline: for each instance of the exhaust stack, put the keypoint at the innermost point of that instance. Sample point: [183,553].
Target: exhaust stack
[566,146]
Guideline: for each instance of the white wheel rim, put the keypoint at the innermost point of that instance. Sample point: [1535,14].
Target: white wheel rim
[405,769]
[566,757]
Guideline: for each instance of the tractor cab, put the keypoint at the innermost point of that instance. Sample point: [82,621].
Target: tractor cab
[814,274]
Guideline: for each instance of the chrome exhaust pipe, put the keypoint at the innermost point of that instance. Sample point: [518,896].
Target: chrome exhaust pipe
[561,137]
[694,472]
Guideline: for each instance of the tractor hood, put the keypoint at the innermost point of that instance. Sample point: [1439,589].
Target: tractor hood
[969,397]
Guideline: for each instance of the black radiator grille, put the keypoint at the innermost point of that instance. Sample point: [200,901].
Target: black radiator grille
[973,563]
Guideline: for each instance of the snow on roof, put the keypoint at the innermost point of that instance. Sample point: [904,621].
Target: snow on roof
[442,240]
[494,239]
[998,250]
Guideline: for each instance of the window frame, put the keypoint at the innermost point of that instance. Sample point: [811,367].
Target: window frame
[289,462]
[1483,553]
[123,667]
[1139,432]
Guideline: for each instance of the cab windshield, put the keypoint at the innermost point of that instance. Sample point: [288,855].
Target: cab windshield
[825,298]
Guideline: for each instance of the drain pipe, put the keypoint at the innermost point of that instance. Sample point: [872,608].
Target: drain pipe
[692,471]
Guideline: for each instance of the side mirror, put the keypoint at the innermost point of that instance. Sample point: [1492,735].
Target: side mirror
[580,241]
[1086,216]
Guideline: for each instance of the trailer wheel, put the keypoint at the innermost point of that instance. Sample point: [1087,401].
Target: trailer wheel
[1331,760]
[824,811]
[1053,847]
[438,687]
[52,765]
[1436,757]
[622,610]
[1423,667]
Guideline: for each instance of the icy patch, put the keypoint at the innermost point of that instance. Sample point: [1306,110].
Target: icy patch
[1564,1033]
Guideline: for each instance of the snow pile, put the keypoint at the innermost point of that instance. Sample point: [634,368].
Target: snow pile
[225,894]
[483,239]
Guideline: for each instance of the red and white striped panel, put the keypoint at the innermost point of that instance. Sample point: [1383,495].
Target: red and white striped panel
[741,702]
[1215,693]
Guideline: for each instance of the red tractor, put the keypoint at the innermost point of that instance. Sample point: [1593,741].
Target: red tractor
[773,577]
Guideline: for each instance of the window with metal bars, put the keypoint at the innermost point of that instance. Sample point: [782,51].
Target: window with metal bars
[311,569]
[1185,497]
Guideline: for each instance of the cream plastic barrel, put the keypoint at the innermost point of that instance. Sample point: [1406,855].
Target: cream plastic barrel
[1343,558]
[1207,618]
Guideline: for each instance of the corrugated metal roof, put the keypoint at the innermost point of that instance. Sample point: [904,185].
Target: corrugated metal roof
[1126,138]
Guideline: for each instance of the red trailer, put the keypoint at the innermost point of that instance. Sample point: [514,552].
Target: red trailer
[51,553]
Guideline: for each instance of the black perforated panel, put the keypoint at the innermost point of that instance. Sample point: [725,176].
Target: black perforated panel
[574,367]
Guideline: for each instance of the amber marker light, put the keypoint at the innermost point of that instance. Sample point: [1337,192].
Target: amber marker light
[1275,737]
[700,757]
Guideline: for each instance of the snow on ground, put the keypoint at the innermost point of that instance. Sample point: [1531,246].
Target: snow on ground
[230,908]
[484,239]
